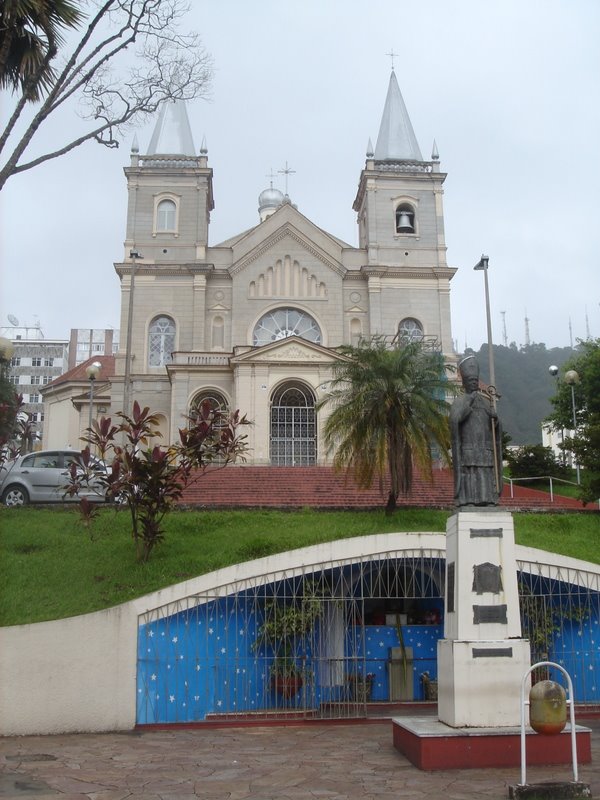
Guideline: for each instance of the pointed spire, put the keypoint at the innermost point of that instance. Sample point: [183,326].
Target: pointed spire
[369,148]
[135,147]
[203,147]
[435,156]
[172,133]
[396,140]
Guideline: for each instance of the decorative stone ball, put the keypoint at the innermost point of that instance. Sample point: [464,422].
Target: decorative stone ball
[547,707]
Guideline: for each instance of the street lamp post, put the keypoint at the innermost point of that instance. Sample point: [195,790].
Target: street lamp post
[553,370]
[571,378]
[92,371]
[482,265]
[133,255]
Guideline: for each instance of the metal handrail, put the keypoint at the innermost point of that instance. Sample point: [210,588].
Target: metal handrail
[570,703]
[541,478]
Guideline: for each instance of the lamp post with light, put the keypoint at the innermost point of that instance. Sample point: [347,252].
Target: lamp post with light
[133,255]
[482,265]
[571,378]
[92,371]
[553,370]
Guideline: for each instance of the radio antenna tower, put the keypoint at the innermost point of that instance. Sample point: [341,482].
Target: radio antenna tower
[587,326]
[504,336]
[527,339]
[570,333]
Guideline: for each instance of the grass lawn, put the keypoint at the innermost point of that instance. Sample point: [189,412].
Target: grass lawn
[53,569]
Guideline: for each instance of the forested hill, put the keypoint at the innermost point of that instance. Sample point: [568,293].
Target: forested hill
[525,386]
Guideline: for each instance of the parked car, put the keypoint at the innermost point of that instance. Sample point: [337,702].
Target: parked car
[41,478]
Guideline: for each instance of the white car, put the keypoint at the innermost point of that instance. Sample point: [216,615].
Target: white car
[41,478]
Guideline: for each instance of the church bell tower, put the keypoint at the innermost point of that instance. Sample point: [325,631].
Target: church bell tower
[401,228]
[170,193]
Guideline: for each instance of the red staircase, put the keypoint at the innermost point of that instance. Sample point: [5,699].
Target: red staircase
[322,487]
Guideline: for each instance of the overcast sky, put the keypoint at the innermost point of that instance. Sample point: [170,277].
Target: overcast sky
[509,89]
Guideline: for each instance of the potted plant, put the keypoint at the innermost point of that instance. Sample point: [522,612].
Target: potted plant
[361,686]
[430,687]
[285,630]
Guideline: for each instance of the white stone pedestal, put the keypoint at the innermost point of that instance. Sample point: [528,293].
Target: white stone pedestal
[482,657]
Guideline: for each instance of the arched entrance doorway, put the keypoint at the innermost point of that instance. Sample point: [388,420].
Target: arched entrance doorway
[293,426]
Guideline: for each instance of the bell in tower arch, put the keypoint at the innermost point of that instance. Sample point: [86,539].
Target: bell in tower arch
[405,220]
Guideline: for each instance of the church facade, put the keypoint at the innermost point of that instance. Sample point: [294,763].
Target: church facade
[253,323]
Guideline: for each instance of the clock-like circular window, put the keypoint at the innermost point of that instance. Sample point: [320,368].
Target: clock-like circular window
[285,322]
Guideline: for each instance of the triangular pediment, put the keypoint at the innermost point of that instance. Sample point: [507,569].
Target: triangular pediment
[294,349]
[288,223]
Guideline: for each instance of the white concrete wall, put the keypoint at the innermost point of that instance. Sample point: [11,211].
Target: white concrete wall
[75,674]
[79,674]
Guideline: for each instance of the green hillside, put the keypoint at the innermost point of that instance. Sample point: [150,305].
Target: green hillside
[54,569]
[525,386]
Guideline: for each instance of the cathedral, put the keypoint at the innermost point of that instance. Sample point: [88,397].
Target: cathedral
[254,322]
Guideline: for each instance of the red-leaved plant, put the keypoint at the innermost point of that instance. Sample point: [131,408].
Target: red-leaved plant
[149,479]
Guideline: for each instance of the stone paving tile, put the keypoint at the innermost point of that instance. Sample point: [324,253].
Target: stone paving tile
[319,762]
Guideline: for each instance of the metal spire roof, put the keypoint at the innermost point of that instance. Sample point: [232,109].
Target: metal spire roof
[396,140]
[172,133]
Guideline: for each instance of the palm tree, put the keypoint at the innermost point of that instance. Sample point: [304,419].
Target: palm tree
[30,34]
[389,408]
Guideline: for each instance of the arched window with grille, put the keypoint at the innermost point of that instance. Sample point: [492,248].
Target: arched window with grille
[284,322]
[215,399]
[161,341]
[216,402]
[293,426]
[410,330]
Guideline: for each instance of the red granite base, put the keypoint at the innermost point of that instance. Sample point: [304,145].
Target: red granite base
[429,744]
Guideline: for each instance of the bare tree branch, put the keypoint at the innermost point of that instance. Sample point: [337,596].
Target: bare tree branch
[131,58]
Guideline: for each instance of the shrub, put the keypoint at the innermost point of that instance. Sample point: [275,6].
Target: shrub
[535,461]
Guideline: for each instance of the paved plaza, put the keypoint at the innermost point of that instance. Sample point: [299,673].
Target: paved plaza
[329,762]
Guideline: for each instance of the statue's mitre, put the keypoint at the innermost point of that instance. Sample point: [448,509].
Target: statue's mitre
[468,366]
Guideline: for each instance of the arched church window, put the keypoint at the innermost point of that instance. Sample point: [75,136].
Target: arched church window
[166,216]
[285,322]
[293,426]
[410,330]
[405,218]
[215,400]
[161,341]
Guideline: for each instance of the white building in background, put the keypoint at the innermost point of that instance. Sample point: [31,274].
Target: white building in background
[552,438]
[35,363]
[86,343]
[38,362]
[254,322]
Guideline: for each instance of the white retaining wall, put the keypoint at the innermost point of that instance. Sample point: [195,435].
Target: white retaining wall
[79,674]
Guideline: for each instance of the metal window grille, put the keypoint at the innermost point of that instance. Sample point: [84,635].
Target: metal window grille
[293,427]
[285,322]
[161,341]
[209,656]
